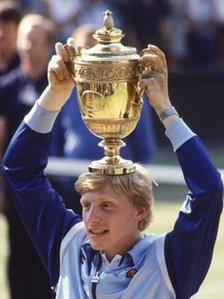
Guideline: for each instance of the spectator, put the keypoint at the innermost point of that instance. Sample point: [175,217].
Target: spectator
[71,138]
[10,16]
[201,33]
[18,91]
[177,42]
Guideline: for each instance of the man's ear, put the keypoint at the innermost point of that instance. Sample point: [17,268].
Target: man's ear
[141,213]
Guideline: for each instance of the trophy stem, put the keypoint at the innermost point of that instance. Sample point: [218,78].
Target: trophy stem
[112,163]
[112,150]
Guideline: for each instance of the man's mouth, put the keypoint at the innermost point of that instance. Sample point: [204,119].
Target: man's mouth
[97,232]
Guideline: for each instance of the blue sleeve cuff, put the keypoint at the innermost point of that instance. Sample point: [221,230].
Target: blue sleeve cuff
[40,120]
[178,133]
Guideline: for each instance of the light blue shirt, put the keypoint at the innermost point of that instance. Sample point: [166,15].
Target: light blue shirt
[150,279]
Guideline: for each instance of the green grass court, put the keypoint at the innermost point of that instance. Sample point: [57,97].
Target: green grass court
[165,213]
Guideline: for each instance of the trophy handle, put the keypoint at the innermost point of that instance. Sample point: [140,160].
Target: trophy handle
[143,65]
[72,54]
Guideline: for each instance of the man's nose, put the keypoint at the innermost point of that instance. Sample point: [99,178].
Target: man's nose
[93,215]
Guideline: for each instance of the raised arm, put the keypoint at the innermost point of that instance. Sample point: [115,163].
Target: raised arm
[40,207]
[189,247]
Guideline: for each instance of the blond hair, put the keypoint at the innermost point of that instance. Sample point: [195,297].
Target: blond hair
[36,20]
[137,187]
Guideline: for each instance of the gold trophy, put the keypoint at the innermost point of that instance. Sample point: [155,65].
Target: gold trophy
[110,100]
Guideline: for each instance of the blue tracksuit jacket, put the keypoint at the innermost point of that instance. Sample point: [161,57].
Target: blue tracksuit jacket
[172,266]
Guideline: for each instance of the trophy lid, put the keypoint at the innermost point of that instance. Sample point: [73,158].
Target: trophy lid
[108,45]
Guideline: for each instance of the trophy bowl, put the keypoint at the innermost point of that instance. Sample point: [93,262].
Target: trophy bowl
[110,100]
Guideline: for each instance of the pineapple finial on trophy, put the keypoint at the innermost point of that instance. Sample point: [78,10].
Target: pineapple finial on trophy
[108,21]
[108,33]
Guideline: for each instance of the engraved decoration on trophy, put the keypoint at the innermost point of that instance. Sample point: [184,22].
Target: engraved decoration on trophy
[110,100]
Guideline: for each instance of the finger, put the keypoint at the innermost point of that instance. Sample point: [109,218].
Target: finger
[61,51]
[56,69]
[156,63]
[58,60]
[154,49]
[146,82]
[149,74]
[151,61]
[56,74]
[143,84]
[71,42]
[52,77]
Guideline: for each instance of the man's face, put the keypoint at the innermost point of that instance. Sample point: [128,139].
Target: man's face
[33,46]
[8,36]
[111,222]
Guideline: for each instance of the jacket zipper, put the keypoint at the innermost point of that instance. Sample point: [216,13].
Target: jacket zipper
[95,279]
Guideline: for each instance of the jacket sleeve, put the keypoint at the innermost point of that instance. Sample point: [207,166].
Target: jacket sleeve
[189,247]
[39,206]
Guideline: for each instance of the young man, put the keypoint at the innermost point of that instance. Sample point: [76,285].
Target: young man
[106,255]
[10,16]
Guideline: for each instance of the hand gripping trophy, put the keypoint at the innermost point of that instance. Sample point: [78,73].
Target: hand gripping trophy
[110,100]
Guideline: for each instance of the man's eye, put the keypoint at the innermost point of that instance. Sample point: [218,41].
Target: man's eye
[107,206]
[86,205]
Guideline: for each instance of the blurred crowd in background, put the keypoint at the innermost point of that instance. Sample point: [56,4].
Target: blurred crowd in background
[191,32]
